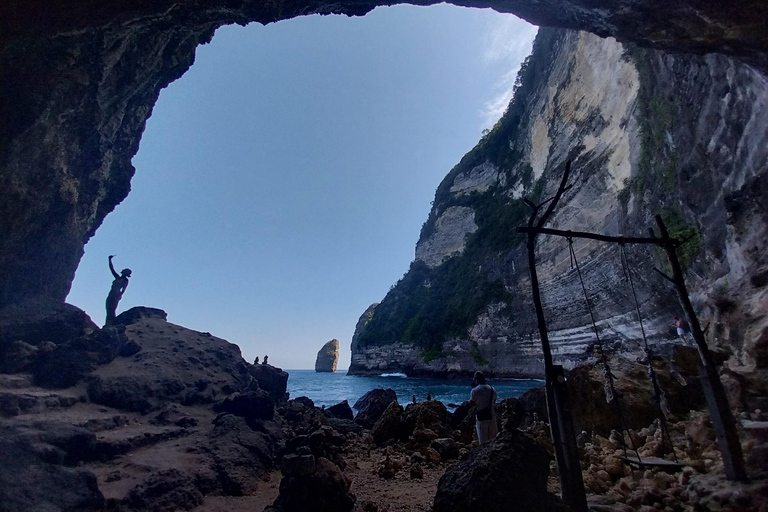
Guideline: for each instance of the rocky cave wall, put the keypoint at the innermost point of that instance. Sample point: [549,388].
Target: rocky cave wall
[78,81]
[648,132]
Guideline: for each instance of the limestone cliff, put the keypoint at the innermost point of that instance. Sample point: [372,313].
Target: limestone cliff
[648,133]
[328,357]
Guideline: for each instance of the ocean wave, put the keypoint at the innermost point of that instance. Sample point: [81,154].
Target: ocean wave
[400,375]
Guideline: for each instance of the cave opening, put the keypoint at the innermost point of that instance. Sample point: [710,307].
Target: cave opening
[282,182]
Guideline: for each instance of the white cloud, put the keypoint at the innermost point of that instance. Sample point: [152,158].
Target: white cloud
[508,42]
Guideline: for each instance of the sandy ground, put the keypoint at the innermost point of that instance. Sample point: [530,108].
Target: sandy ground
[399,494]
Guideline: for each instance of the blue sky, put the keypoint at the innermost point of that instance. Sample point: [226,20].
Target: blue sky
[282,182]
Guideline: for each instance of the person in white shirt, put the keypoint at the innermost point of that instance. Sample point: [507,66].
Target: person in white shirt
[484,398]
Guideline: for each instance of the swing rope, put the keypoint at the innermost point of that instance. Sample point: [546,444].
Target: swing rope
[657,392]
[607,374]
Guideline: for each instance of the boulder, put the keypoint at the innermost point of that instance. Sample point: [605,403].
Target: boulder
[535,401]
[372,405]
[35,322]
[460,413]
[591,412]
[446,447]
[137,313]
[251,404]
[510,412]
[344,426]
[35,473]
[243,451]
[327,357]
[271,379]
[391,425]
[169,489]
[508,474]
[325,490]
[125,393]
[302,415]
[429,414]
[72,361]
[297,465]
[342,411]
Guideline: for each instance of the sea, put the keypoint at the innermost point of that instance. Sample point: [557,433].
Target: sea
[331,388]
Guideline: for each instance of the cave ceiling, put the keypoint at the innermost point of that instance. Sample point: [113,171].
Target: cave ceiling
[79,79]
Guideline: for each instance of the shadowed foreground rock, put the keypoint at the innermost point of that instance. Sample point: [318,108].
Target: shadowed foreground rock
[36,470]
[326,489]
[508,474]
[35,327]
[341,410]
[372,405]
[271,379]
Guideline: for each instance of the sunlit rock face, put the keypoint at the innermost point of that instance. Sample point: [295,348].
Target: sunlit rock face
[648,133]
[79,81]
[327,357]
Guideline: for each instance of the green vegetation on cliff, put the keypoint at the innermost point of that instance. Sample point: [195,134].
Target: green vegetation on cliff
[656,115]
[429,305]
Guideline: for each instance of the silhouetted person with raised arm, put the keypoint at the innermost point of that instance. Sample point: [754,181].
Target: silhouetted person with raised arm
[116,292]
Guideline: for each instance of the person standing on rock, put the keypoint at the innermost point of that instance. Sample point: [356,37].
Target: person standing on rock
[484,398]
[116,292]
[266,358]
[681,329]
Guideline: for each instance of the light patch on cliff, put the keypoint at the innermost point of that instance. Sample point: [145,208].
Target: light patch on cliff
[540,143]
[479,179]
[603,83]
[599,85]
[448,239]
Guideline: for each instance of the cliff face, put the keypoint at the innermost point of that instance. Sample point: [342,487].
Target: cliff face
[327,357]
[648,132]
[80,79]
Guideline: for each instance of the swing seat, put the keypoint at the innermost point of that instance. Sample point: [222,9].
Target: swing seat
[652,462]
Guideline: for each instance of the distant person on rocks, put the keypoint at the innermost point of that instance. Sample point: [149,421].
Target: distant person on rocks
[266,358]
[256,361]
[681,330]
[484,398]
[116,292]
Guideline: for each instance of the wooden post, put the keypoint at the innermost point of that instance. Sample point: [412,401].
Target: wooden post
[566,453]
[717,401]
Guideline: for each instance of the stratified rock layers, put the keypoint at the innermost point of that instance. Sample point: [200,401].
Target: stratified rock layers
[648,133]
[328,357]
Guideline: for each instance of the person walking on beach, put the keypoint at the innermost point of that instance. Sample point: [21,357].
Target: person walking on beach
[681,329]
[116,292]
[484,398]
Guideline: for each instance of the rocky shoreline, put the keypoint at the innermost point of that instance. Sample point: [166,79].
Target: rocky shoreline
[148,415]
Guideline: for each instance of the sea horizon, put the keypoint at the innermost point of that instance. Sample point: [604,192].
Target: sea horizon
[327,389]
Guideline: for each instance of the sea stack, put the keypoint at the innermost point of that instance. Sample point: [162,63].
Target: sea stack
[328,357]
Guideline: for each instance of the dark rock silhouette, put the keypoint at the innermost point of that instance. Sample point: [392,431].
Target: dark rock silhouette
[507,474]
[271,379]
[137,313]
[372,405]
[390,425]
[324,490]
[251,405]
[37,326]
[38,468]
[342,410]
